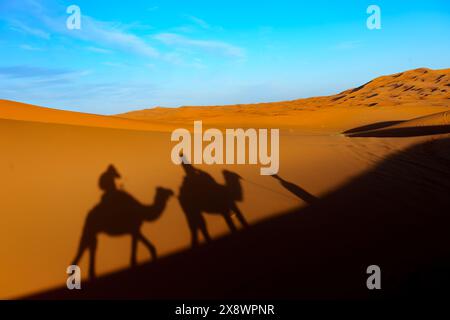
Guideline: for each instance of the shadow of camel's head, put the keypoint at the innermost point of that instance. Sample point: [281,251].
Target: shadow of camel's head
[231,175]
[164,192]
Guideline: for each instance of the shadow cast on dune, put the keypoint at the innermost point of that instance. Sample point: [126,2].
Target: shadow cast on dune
[119,213]
[403,132]
[395,216]
[296,190]
[200,193]
[373,126]
[436,123]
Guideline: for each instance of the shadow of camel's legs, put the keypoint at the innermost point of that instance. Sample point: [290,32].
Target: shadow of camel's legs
[80,252]
[149,245]
[86,239]
[229,221]
[92,252]
[194,236]
[203,228]
[133,260]
[193,227]
[192,218]
[196,223]
[239,215]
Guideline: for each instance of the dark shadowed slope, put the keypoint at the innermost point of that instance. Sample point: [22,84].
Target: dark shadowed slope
[396,216]
[438,123]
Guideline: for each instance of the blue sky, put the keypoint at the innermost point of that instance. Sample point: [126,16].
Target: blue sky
[131,55]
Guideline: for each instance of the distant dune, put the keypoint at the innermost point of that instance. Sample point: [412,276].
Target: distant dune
[12,110]
[401,96]
[397,97]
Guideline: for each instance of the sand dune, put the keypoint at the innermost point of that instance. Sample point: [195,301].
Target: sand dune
[438,119]
[438,123]
[401,96]
[51,162]
[21,111]
[396,97]
[50,178]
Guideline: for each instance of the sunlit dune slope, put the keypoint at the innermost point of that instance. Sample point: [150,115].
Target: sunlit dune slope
[395,214]
[50,178]
[26,112]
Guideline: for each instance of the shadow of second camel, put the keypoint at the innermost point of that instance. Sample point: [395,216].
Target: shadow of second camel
[200,193]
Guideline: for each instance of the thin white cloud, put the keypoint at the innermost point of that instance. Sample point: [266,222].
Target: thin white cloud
[106,37]
[347,45]
[178,59]
[114,64]
[209,45]
[24,71]
[106,34]
[151,9]
[197,22]
[30,48]
[26,77]
[23,28]
[200,22]
[183,29]
[99,50]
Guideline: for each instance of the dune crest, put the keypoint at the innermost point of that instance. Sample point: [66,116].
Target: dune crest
[400,96]
[12,110]
[413,93]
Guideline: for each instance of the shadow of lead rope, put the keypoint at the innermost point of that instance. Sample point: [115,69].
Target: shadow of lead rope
[273,191]
[296,190]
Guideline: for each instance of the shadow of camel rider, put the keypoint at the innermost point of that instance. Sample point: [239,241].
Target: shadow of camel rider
[107,182]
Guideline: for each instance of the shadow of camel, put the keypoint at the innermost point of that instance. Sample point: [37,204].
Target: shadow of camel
[296,190]
[199,193]
[119,213]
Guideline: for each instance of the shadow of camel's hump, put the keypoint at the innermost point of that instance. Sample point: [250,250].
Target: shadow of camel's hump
[116,214]
[202,195]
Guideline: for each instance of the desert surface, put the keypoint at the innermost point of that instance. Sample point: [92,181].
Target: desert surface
[52,160]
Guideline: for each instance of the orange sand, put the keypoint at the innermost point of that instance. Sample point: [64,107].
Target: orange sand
[51,161]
